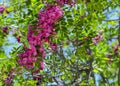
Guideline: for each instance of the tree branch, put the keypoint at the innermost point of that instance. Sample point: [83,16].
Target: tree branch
[76,82]
[119,61]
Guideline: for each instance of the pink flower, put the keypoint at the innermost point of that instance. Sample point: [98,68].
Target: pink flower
[24,61]
[2,9]
[53,46]
[29,66]
[115,48]
[97,39]
[18,38]
[109,55]
[62,2]
[7,80]
[42,65]
[5,29]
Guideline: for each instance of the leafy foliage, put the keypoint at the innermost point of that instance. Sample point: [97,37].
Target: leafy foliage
[76,41]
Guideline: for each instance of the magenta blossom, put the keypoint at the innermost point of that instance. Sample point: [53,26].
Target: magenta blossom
[42,65]
[115,48]
[62,2]
[38,34]
[8,80]
[1,9]
[53,46]
[97,39]
[18,38]
[5,29]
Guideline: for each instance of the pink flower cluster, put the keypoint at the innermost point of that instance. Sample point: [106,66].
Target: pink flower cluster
[97,39]
[62,2]
[42,65]
[28,57]
[38,35]
[48,18]
[8,80]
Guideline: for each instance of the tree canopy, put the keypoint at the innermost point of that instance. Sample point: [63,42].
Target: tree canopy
[62,43]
